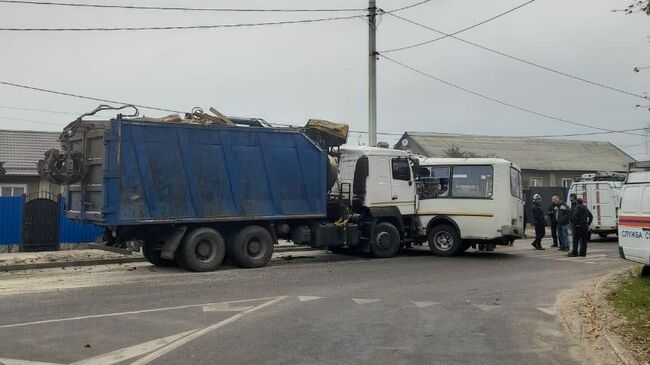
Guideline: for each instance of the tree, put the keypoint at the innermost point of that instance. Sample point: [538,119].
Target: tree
[637,7]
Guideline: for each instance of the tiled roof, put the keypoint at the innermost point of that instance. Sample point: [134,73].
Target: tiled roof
[21,150]
[528,153]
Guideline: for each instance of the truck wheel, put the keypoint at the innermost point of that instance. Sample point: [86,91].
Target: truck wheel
[444,240]
[385,240]
[202,249]
[151,252]
[251,247]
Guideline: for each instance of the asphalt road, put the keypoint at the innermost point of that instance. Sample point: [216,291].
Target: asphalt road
[313,307]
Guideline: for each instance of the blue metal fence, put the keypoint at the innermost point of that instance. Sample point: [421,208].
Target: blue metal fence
[71,231]
[11,220]
[11,224]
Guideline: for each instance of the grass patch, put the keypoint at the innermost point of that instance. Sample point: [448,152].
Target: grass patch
[631,299]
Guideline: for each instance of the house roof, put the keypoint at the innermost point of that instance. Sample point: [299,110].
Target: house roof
[21,150]
[528,153]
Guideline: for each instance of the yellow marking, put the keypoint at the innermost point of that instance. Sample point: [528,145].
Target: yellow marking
[466,214]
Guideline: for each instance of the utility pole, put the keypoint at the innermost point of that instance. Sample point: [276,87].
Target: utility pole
[372,73]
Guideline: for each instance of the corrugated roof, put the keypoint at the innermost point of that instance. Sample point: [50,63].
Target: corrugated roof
[528,153]
[21,150]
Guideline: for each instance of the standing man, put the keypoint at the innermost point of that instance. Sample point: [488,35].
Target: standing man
[563,218]
[581,220]
[539,222]
[552,219]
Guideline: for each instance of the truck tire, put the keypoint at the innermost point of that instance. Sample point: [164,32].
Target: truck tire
[385,240]
[151,252]
[251,247]
[202,249]
[444,240]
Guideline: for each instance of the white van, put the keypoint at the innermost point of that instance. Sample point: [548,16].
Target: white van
[601,193]
[634,218]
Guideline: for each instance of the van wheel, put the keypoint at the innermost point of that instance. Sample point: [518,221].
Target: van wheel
[151,251]
[385,240]
[251,247]
[444,240]
[202,249]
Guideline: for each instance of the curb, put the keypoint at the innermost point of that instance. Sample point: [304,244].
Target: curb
[577,327]
[50,265]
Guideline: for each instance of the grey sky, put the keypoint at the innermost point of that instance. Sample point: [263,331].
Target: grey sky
[288,74]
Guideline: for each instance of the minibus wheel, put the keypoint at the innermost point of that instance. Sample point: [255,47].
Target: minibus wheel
[444,240]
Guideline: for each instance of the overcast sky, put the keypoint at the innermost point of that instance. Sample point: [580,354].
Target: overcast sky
[290,73]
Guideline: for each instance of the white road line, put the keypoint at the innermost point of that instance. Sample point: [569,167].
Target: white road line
[124,313]
[365,301]
[118,356]
[307,298]
[24,362]
[424,304]
[549,310]
[176,344]
[224,307]
[486,307]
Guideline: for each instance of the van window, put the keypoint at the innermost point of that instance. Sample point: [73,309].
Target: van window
[515,183]
[472,182]
[401,169]
[631,200]
[433,182]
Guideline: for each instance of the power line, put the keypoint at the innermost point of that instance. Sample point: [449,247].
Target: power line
[28,120]
[585,134]
[519,59]
[33,88]
[405,7]
[38,110]
[459,31]
[563,120]
[173,8]
[182,27]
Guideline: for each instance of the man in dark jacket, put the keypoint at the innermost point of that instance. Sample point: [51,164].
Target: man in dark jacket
[552,219]
[539,222]
[563,218]
[581,219]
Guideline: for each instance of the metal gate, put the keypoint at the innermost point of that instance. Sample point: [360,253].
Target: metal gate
[41,223]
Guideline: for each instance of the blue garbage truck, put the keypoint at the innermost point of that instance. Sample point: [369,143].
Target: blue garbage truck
[192,191]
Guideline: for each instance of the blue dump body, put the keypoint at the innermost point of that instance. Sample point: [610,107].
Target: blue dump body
[155,172]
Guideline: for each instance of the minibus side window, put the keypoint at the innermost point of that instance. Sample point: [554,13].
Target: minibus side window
[433,182]
[472,182]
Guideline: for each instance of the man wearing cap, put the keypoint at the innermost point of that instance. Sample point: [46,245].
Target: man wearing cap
[539,222]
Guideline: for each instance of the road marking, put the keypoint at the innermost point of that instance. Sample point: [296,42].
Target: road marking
[125,313]
[486,307]
[24,362]
[549,310]
[176,344]
[224,307]
[118,356]
[307,298]
[365,301]
[424,304]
